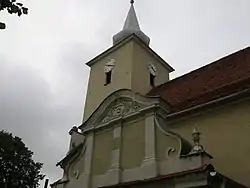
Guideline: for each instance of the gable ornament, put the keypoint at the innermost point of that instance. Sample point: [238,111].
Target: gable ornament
[120,108]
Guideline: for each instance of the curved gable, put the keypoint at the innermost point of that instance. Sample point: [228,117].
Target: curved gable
[120,105]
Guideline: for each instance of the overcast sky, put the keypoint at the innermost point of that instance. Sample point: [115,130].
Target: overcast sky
[43,76]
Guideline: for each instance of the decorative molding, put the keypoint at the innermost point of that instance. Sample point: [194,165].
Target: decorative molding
[76,173]
[77,159]
[117,132]
[184,146]
[113,175]
[121,107]
[109,65]
[115,154]
[149,137]
[70,160]
[152,68]
[149,164]
[115,159]
[149,168]
[147,171]
[170,151]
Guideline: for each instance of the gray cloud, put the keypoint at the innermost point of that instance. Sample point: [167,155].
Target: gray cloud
[30,110]
[43,77]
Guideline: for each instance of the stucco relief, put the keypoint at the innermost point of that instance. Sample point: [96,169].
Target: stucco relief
[170,153]
[173,152]
[76,165]
[121,107]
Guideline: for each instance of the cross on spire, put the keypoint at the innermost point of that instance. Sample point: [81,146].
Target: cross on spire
[132,1]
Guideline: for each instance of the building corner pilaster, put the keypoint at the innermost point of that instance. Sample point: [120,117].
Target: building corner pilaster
[149,165]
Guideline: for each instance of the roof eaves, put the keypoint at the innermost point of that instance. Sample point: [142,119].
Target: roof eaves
[173,175]
[184,111]
[130,37]
[232,182]
[109,50]
[236,53]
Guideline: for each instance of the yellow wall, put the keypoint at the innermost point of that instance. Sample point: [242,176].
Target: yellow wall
[163,143]
[121,77]
[77,165]
[132,147]
[140,71]
[225,135]
[102,152]
[130,72]
[133,144]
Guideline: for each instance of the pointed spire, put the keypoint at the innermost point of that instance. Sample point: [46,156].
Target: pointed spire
[131,22]
[130,27]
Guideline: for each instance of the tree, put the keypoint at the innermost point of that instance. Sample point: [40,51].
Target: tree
[12,7]
[17,168]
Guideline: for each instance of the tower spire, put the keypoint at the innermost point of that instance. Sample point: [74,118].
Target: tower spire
[131,22]
[130,27]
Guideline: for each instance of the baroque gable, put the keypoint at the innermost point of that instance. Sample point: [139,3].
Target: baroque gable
[122,105]
[119,108]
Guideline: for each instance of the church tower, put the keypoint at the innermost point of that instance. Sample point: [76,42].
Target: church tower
[136,129]
[122,138]
[129,64]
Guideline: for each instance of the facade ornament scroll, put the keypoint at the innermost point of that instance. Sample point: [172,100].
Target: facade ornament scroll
[72,164]
[184,146]
[121,107]
[76,173]
[170,151]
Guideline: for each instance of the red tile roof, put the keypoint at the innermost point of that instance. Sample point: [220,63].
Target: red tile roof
[220,78]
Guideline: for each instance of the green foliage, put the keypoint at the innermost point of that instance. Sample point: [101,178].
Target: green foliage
[2,25]
[12,7]
[17,168]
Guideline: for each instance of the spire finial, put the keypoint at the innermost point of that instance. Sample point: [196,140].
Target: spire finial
[132,1]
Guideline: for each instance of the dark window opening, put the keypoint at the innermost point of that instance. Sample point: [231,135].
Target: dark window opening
[108,77]
[152,80]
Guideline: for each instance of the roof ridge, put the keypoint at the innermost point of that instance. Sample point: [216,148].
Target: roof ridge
[223,76]
[207,65]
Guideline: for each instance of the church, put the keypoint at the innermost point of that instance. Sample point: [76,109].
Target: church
[142,129]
